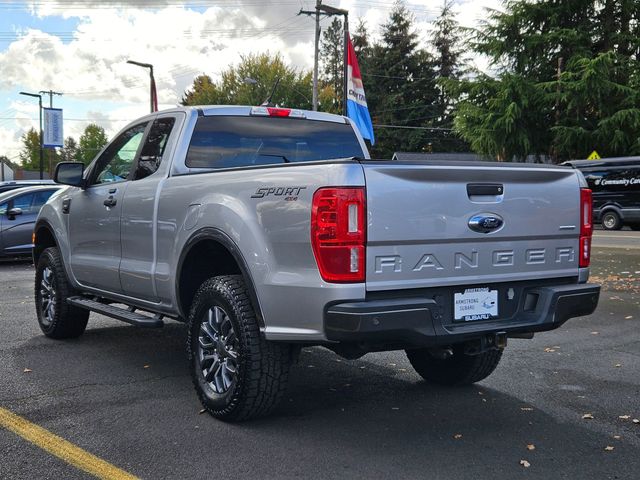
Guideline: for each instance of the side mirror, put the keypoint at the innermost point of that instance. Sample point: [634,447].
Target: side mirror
[12,212]
[69,173]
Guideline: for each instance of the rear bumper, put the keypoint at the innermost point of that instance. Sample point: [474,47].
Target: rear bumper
[420,321]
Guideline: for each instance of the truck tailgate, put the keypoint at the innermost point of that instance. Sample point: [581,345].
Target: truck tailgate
[419,231]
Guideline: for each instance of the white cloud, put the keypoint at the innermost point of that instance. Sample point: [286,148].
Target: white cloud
[89,64]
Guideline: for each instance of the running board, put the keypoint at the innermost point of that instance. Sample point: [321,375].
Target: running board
[123,314]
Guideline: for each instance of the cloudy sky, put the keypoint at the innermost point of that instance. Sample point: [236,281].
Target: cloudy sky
[81,48]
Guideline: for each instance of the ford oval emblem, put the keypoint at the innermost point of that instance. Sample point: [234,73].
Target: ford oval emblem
[486,223]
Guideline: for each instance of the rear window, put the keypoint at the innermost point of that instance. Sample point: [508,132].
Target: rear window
[226,142]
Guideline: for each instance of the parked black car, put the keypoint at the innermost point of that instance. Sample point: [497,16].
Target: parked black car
[13,184]
[615,183]
[19,209]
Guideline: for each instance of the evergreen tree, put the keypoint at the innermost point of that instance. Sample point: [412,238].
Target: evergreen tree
[332,55]
[360,40]
[69,152]
[446,39]
[580,60]
[401,88]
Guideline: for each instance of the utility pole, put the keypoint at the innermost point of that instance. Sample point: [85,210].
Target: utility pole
[51,93]
[345,27]
[558,91]
[329,12]
[316,52]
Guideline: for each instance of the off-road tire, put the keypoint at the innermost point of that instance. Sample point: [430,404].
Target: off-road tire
[262,367]
[64,321]
[611,220]
[459,369]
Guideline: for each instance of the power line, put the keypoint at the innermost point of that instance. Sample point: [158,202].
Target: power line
[436,129]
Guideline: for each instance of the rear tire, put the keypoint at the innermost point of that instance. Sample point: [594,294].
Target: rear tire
[459,369]
[57,319]
[611,220]
[237,374]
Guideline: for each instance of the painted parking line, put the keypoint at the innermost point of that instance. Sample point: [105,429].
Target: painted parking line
[604,235]
[61,448]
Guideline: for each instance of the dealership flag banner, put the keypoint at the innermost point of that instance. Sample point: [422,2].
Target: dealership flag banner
[52,135]
[357,109]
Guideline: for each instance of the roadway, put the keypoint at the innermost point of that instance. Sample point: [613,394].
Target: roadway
[563,402]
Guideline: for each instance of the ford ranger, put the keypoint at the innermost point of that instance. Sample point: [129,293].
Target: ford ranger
[268,229]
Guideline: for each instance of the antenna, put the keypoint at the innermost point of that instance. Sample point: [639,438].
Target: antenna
[267,102]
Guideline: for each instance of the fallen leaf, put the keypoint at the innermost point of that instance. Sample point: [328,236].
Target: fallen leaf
[587,416]
[146,366]
[624,417]
[27,370]
[531,446]
[628,317]
[618,365]
[202,411]
[617,437]
[636,420]
[525,464]
[595,333]
[549,350]
[608,448]
[457,436]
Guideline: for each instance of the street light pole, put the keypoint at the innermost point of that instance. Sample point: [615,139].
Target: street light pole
[39,97]
[345,13]
[153,96]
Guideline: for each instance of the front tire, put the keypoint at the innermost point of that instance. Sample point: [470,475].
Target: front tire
[237,374]
[611,221]
[57,319]
[459,369]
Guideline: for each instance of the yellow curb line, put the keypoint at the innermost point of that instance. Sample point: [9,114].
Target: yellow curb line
[61,448]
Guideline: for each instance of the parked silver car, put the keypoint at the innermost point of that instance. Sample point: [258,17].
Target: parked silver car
[19,209]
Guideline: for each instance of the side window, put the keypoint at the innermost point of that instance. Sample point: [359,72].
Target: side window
[3,208]
[39,199]
[153,148]
[114,165]
[23,202]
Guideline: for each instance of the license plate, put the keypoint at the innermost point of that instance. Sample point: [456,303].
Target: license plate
[475,304]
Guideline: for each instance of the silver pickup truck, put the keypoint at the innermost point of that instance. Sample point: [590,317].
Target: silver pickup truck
[269,229]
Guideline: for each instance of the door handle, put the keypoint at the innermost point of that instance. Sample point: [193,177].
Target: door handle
[113,190]
[110,202]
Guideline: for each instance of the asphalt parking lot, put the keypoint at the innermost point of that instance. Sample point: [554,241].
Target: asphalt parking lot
[563,403]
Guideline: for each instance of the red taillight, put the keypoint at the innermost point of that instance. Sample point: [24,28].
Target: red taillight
[586,226]
[278,112]
[338,233]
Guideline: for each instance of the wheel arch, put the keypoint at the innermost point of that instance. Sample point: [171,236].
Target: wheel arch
[609,207]
[210,252]
[44,238]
